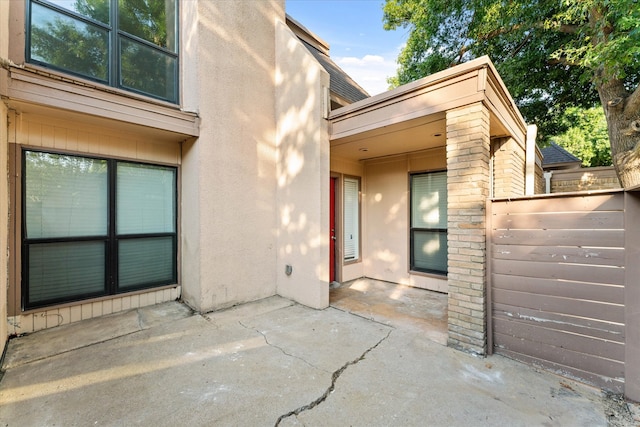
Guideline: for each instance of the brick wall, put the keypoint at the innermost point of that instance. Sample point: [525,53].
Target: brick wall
[468,188]
[508,168]
[600,178]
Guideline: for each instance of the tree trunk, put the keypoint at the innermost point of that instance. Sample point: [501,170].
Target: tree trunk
[622,111]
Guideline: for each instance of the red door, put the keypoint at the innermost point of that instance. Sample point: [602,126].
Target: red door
[332,230]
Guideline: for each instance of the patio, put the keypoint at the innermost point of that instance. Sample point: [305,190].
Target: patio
[273,362]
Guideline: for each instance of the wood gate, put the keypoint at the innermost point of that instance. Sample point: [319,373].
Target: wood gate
[556,276]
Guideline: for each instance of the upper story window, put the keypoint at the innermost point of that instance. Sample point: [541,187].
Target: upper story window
[128,44]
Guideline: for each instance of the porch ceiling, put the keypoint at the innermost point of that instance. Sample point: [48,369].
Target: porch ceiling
[406,137]
[414,135]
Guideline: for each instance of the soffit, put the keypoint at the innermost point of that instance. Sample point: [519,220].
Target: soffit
[88,122]
[405,137]
[30,92]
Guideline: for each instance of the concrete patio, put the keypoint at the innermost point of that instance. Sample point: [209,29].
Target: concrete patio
[361,362]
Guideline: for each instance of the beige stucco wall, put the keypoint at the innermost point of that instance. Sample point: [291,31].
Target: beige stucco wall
[229,232]
[386,218]
[302,175]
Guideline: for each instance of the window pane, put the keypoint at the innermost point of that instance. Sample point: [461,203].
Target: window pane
[150,20]
[430,251]
[65,270]
[68,43]
[147,70]
[146,201]
[65,196]
[351,219]
[146,261]
[94,9]
[429,200]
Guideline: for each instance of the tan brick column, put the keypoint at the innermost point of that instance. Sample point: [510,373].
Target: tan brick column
[508,168]
[468,188]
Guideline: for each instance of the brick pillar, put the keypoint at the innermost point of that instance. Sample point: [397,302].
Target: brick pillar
[508,168]
[468,184]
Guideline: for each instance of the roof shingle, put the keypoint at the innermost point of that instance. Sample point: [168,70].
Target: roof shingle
[554,154]
[340,82]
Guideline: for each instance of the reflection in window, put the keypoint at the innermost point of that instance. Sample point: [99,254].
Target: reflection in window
[97,10]
[79,37]
[69,44]
[150,20]
[146,70]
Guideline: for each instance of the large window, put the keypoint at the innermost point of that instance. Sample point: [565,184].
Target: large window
[129,44]
[351,219]
[94,227]
[429,222]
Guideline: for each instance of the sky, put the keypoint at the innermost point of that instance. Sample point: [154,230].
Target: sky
[358,42]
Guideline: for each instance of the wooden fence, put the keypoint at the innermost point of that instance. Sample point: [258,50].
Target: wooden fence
[557,284]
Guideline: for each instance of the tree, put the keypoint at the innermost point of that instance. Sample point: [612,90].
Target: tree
[552,55]
[586,136]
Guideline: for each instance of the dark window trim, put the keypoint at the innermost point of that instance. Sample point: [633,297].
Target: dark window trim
[115,33]
[110,240]
[412,229]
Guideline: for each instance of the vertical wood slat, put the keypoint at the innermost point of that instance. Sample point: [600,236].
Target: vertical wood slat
[489,259]
[562,259]
[632,296]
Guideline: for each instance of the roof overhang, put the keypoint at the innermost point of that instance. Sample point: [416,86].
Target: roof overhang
[35,91]
[412,117]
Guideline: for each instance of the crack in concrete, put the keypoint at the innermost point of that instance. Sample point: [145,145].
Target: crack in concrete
[334,378]
[362,316]
[140,319]
[278,347]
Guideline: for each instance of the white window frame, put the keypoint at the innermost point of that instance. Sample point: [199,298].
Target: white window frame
[351,219]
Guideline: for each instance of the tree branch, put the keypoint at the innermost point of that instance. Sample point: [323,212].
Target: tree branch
[632,106]
[567,28]
[562,61]
[521,45]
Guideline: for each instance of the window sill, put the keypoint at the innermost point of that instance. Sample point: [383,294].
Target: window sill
[46,88]
[431,275]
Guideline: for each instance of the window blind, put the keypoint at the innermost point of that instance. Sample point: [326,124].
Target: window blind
[65,196]
[95,227]
[66,270]
[351,219]
[429,200]
[429,251]
[145,199]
